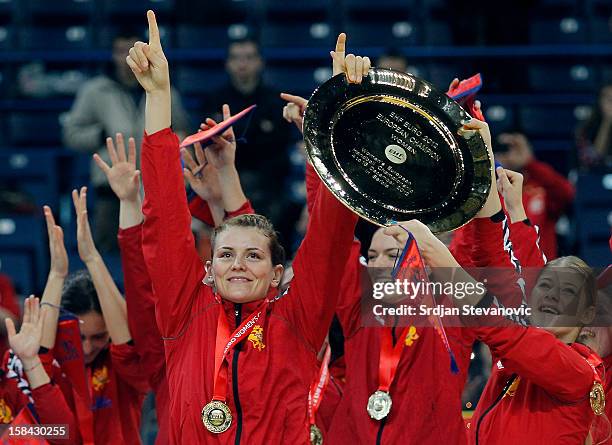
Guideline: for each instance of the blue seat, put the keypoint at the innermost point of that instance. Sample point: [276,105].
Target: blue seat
[297,80]
[400,33]
[137,6]
[600,31]
[594,190]
[562,78]
[9,6]
[553,121]
[59,7]
[56,38]
[7,37]
[27,235]
[302,35]
[500,118]
[380,8]
[192,80]
[34,128]
[437,34]
[35,172]
[563,30]
[441,75]
[189,36]
[594,225]
[19,267]
[311,7]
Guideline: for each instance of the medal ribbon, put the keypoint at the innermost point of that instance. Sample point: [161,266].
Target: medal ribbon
[225,343]
[594,360]
[315,395]
[389,357]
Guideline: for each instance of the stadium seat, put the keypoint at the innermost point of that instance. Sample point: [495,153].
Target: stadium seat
[188,36]
[18,266]
[277,8]
[500,118]
[367,34]
[57,38]
[441,75]
[106,34]
[7,37]
[136,6]
[35,173]
[58,7]
[563,30]
[380,9]
[302,35]
[192,80]
[34,128]
[8,6]
[570,78]
[600,31]
[554,121]
[26,235]
[298,80]
[437,34]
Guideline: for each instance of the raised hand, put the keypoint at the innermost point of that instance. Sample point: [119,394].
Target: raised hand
[123,177]
[87,248]
[26,343]
[148,62]
[294,110]
[57,249]
[222,152]
[355,67]
[510,186]
[201,175]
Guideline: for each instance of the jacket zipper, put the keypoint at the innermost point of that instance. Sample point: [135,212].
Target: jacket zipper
[238,313]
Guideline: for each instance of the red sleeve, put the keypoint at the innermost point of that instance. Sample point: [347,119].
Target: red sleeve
[537,356]
[168,245]
[526,241]
[348,308]
[319,265]
[244,209]
[312,186]
[559,191]
[128,366]
[52,408]
[8,298]
[141,305]
[200,209]
[461,245]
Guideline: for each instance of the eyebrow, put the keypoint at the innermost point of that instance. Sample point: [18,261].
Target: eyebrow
[231,248]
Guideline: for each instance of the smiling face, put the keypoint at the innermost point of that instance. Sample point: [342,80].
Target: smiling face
[242,264]
[382,255]
[560,302]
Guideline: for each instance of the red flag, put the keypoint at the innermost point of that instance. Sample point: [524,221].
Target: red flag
[23,419]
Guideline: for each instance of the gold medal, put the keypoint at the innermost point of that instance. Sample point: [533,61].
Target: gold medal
[598,399]
[316,437]
[216,417]
[379,405]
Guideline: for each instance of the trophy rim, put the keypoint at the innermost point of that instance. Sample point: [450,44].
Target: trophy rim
[475,189]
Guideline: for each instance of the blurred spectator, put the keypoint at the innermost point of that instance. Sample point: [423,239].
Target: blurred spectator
[393,59]
[108,104]
[9,307]
[262,160]
[546,193]
[595,134]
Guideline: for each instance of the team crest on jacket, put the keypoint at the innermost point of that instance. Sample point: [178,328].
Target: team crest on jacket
[256,338]
[6,415]
[99,379]
[411,336]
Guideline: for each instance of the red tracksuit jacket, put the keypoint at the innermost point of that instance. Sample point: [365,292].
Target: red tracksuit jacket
[142,323]
[267,389]
[602,430]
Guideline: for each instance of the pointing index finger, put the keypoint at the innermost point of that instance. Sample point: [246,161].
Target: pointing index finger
[153,29]
[341,43]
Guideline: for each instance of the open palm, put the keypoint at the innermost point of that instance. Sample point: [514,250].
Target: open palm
[26,343]
[123,177]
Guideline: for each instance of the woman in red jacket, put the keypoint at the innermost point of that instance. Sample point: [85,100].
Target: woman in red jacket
[240,357]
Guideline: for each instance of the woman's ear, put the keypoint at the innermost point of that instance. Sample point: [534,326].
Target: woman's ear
[209,279]
[278,275]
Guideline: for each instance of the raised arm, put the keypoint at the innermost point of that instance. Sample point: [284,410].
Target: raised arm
[111,302]
[52,295]
[169,249]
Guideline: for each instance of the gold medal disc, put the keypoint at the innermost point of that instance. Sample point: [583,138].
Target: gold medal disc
[598,399]
[216,417]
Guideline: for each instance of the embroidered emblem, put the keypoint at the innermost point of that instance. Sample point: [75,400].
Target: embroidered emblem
[6,415]
[256,338]
[411,336]
[99,379]
[510,392]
